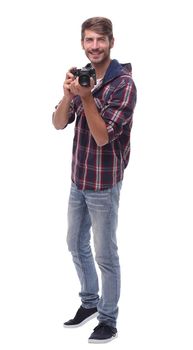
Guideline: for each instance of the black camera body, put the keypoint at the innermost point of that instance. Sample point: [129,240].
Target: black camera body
[84,74]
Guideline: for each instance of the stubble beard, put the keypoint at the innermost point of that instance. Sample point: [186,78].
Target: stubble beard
[100,61]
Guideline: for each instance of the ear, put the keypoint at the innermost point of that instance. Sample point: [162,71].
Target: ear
[112,43]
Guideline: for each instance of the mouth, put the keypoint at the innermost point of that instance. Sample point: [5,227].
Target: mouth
[95,53]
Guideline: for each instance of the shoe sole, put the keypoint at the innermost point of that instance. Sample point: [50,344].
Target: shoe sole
[81,323]
[102,341]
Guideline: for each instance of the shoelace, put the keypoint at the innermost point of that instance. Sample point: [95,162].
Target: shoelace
[103,325]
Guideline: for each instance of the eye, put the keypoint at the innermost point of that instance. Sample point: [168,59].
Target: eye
[88,40]
[102,39]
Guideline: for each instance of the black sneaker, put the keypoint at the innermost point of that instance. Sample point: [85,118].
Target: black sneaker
[82,316]
[103,334]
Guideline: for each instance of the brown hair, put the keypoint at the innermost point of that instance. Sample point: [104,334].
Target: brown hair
[99,25]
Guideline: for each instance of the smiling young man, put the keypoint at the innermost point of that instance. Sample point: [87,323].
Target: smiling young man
[101,149]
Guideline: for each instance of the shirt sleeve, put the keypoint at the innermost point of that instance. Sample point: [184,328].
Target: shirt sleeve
[71,113]
[118,111]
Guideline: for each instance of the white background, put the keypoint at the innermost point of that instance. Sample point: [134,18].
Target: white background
[39,289]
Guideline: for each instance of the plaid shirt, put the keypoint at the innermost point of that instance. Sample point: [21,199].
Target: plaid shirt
[101,167]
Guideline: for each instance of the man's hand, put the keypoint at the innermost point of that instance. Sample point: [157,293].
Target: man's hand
[82,91]
[67,84]
[61,115]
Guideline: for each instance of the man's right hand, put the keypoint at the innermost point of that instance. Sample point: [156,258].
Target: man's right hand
[66,86]
[61,115]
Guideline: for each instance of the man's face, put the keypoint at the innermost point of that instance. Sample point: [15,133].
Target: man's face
[97,47]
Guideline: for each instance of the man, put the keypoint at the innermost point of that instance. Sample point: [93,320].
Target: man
[101,149]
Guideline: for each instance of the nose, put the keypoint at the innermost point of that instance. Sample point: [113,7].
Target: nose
[95,44]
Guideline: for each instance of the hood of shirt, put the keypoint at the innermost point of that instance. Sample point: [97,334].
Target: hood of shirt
[114,70]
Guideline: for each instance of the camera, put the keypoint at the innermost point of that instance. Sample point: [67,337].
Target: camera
[84,74]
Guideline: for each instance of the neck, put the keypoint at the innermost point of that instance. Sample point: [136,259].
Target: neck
[101,68]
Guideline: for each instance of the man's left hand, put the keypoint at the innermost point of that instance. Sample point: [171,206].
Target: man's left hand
[82,91]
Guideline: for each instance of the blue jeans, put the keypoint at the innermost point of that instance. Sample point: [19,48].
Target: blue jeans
[99,210]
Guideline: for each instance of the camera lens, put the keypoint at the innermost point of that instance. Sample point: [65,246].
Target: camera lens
[84,80]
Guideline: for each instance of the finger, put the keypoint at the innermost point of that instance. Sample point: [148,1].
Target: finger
[70,74]
[74,82]
[92,82]
[69,80]
[67,87]
[74,87]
